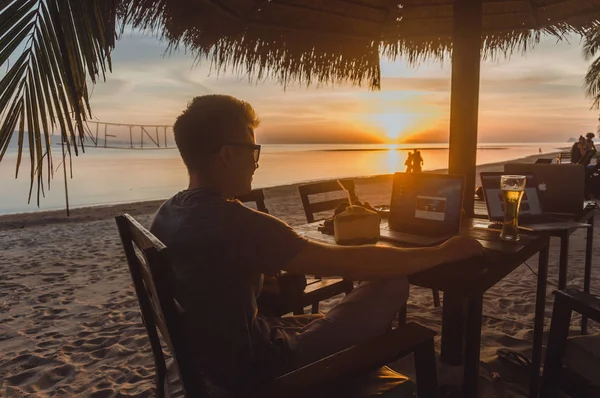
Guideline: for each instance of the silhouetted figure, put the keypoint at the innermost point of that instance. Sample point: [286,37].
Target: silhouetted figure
[589,141]
[587,148]
[409,163]
[578,150]
[417,161]
[592,182]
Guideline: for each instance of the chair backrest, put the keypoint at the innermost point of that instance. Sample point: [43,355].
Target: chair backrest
[257,196]
[153,278]
[564,156]
[323,187]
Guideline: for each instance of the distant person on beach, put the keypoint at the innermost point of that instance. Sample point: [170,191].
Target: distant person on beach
[417,161]
[578,150]
[221,249]
[409,162]
[589,141]
[592,183]
[589,149]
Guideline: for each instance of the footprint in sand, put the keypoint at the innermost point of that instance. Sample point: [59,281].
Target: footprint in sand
[67,301]
[44,298]
[52,313]
[105,393]
[33,330]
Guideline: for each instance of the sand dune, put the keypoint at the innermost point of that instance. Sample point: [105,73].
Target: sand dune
[70,324]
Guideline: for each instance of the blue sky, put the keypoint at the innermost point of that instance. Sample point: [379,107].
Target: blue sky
[533,97]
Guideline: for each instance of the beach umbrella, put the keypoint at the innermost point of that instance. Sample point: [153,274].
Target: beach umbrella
[333,41]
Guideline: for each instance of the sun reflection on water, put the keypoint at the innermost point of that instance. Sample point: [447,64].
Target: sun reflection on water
[395,159]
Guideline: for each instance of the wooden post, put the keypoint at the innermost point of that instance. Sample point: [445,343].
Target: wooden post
[464,94]
[130,137]
[105,134]
[62,144]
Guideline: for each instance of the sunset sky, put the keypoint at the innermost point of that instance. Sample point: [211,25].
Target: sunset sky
[533,97]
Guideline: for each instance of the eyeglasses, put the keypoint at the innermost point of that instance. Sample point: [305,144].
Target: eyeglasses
[255,149]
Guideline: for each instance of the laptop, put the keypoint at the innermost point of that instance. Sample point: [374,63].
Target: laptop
[531,214]
[425,209]
[561,187]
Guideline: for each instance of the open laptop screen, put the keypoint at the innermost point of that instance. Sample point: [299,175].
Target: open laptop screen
[426,204]
[561,187]
[530,203]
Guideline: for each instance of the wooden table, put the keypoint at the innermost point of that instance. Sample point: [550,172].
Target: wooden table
[586,216]
[464,283]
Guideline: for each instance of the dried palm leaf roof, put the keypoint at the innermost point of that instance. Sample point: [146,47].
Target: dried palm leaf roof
[341,40]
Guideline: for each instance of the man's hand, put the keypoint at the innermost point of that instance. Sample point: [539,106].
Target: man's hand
[460,248]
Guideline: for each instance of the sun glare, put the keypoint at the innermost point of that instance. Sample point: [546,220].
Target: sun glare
[393,126]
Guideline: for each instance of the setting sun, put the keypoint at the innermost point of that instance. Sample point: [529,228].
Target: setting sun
[393,125]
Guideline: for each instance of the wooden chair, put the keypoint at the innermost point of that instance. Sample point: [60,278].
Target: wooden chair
[564,157]
[152,279]
[357,372]
[310,208]
[258,197]
[316,290]
[582,362]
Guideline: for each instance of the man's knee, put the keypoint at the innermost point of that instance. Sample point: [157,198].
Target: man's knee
[395,290]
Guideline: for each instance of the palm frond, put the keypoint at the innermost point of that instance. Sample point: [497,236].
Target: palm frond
[592,82]
[62,43]
[590,49]
[591,42]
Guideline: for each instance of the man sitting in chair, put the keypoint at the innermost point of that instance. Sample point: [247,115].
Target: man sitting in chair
[222,249]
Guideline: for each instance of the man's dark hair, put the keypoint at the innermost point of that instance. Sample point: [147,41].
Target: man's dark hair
[590,135]
[208,123]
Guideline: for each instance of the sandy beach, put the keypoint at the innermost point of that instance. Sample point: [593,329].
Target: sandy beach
[70,324]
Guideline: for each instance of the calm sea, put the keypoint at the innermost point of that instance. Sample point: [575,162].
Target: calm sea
[110,176]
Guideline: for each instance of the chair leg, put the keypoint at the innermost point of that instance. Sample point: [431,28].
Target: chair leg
[402,316]
[557,342]
[349,285]
[160,375]
[427,384]
[436,297]
[315,308]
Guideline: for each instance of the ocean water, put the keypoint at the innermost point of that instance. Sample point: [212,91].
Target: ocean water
[110,176]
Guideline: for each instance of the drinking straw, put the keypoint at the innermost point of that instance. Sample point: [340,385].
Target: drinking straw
[345,190]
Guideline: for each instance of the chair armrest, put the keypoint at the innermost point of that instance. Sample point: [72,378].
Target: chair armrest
[324,289]
[348,363]
[584,303]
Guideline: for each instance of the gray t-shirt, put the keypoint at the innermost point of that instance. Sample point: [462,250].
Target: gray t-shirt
[221,250]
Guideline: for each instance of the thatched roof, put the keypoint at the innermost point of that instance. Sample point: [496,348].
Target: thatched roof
[341,40]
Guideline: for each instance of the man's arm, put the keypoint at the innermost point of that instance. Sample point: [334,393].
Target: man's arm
[374,262]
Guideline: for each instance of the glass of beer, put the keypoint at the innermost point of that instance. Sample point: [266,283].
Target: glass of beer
[512,187]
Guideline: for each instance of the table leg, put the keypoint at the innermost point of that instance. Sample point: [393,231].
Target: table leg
[564,259]
[538,328]
[473,345]
[587,272]
[452,329]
